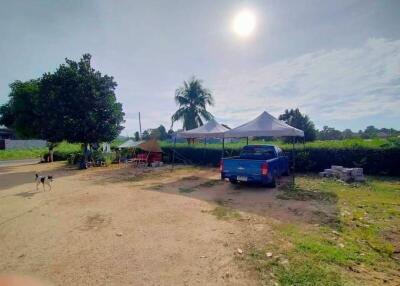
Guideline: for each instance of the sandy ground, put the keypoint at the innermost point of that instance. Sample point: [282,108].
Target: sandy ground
[110,226]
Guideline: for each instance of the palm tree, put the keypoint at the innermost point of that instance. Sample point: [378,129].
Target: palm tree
[192,99]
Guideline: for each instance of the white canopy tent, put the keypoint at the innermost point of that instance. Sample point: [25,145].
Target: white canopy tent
[264,125]
[212,129]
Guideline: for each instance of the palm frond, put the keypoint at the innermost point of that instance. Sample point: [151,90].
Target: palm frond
[192,99]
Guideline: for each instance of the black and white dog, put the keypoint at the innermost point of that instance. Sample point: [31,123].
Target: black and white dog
[44,180]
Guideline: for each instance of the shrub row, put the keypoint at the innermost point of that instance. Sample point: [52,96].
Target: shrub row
[374,161]
[385,161]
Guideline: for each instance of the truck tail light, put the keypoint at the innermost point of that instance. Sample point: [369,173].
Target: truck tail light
[221,166]
[264,169]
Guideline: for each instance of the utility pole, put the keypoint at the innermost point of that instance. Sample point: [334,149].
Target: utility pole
[140,128]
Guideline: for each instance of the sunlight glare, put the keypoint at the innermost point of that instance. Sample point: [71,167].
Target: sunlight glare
[244,23]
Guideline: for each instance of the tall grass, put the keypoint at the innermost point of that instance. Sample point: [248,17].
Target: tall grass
[33,153]
[16,154]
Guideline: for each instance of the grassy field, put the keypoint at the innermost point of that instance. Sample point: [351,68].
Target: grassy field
[63,147]
[13,154]
[22,154]
[361,242]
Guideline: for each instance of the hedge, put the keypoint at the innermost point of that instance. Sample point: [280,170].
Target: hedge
[374,161]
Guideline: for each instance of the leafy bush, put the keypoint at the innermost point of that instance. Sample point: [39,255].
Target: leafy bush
[74,158]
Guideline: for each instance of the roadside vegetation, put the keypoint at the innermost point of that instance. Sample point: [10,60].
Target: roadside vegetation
[19,154]
[61,151]
[362,248]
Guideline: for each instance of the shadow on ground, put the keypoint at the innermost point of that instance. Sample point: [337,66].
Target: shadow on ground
[14,176]
[262,201]
[204,184]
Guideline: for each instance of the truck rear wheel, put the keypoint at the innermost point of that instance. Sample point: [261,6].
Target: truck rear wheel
[233,181]
[272,184]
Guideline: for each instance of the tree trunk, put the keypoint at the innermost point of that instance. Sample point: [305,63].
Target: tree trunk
[83,164]
[51,153]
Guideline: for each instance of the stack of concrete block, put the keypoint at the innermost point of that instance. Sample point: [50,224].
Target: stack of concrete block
[344,174]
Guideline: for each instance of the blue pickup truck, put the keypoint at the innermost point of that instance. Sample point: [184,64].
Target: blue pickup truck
[261,164]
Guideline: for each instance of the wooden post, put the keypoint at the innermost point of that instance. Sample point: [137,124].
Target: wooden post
[223,147]
[294,164]
[204,151]
[247,140]
[173,153]
[140,128]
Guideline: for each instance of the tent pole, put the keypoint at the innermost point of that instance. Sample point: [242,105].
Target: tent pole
[204,152]
[223,147]
[173,153]
[294,164]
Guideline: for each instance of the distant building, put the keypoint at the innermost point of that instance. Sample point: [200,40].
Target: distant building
[6,133]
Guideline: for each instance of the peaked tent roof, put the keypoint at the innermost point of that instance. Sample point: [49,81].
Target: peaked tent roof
[129,144]
[149,145]
[264,125]
[211,129]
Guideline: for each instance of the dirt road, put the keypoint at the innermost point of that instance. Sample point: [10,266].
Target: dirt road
[111,226]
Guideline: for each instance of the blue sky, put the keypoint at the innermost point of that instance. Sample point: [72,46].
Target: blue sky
[338,61]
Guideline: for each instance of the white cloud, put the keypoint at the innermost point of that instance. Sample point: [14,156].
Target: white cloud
[329,85]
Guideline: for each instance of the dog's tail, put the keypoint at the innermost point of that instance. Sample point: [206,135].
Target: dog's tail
[37,175]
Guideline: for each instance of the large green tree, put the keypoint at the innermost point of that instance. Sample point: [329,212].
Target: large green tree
[192,99]
[137,136]
[21,111]
[347,134]
[295,118]
[79,103]
[329,133]
[75,103]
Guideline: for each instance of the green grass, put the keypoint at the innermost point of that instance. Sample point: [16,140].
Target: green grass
[209,183]
[186,190]
[225,213]
[64,148]
[291,270]
[18,154]
[305,195]
[369,234]
[68,148]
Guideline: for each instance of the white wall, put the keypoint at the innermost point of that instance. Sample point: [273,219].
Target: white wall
[24,144]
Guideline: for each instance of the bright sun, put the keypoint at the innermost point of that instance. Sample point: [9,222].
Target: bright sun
[244,23]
